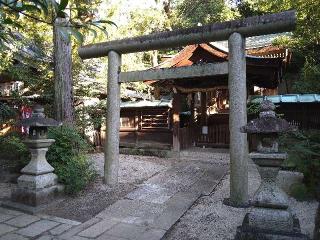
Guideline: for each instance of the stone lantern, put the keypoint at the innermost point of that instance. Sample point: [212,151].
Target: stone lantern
[38,184]
[270,216]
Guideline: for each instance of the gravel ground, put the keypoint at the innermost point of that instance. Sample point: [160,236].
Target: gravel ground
[98,196]
[208,218]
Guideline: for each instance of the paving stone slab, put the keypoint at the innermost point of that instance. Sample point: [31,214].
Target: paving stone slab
[13,236]
[175,208]
[75,230]
[152,234]
[60,229]
[23,220]
[37,228]
[5,217]
[153,193]
[131,208]
[98,228]
[59,220]
[6,229]
[46,237]
[127,231]
[109,237]
[10,212]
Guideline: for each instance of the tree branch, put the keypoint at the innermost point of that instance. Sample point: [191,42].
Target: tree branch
[25,14]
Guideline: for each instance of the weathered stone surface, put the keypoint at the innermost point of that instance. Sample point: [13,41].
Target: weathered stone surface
[13,236]
[9,212]
[152,234]
[6,229]
[111,164]
[34,198]
[45,237]
[98,228]
[71,234]
[270,219]
[258,25]
[175,208]
[127,231]
[4,217]
[38,164]
[37,182]
[270,216]
[60,229]
[237,118]
[23,220]
[37,228]
[59,220]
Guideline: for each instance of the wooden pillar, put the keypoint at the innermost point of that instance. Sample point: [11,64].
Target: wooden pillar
[176,106]
[191,121]
[203,108]
[237,119]
[111,164]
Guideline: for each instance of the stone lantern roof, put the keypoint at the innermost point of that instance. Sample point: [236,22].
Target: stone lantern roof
[267,122]
[38,119]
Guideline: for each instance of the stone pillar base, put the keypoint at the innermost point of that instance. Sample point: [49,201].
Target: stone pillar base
[229,203]
[33,201]
[246,232]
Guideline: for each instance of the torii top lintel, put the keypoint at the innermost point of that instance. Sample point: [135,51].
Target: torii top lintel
[248,27]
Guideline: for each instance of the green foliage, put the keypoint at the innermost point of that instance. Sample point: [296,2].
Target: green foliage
[300,192]
[6,113]
[304,43]
[75,173]
[13,152]
[303,148]
[192,13]
[79,12]
[67,156]
[253,110]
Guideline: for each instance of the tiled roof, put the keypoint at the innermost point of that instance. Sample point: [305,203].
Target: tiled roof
[288,98]
[253,42]
[140,104]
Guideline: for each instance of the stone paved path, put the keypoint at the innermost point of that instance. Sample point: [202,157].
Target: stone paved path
[147,213]
[15,225]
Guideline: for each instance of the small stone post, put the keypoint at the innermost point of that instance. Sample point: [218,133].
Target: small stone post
[111,164]
[270,216]
[238,118]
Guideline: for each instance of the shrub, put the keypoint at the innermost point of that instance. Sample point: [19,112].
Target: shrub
[67,156]
[303,148]
[75,173]
[13,152]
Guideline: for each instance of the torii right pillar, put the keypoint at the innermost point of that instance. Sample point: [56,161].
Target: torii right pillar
[237,118]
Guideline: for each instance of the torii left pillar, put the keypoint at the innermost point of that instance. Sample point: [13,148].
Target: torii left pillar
[111,150]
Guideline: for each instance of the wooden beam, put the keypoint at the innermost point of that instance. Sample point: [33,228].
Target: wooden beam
[252,26]
[204,70]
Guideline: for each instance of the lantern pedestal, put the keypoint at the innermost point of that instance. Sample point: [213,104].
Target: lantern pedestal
[270,216]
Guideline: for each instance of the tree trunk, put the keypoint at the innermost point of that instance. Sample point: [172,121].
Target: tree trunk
[155,58]
[63,93]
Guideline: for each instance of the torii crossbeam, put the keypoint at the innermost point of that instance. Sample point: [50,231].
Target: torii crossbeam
[233,31]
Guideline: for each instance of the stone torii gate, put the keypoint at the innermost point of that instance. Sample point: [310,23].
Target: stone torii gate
[233,31]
